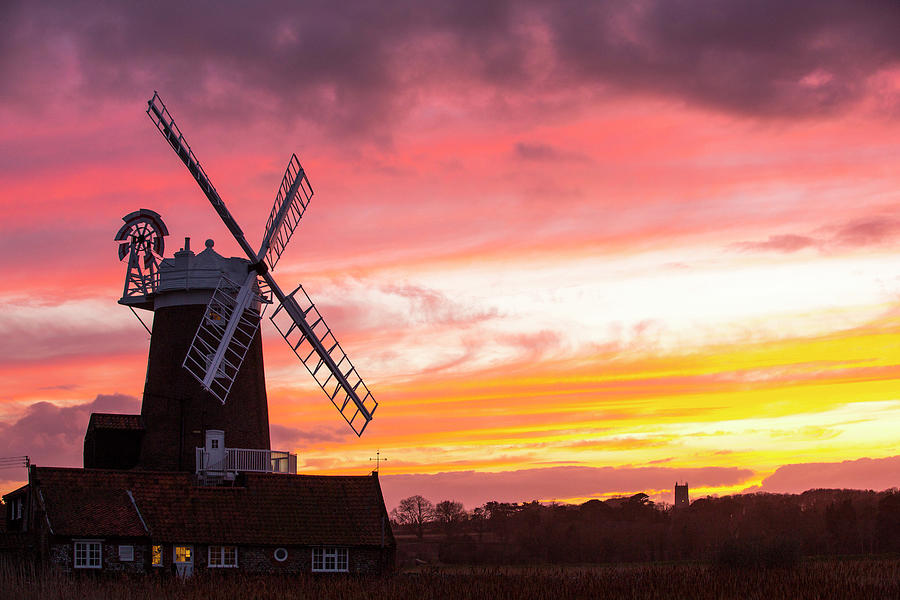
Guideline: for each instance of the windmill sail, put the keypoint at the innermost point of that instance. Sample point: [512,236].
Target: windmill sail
[160,116]
[224,336]
[230,323]
[302,327]
[290,204]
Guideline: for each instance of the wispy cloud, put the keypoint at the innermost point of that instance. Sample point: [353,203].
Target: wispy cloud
[786,243]
[545,153]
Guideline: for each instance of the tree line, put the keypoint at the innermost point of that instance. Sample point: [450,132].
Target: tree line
[739,529]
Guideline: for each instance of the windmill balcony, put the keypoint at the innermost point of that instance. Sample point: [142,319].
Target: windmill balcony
[224,464]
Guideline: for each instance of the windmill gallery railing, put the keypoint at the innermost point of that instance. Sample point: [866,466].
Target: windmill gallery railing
[235,460]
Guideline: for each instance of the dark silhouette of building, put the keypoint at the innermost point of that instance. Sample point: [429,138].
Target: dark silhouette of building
[161,491]
[176,411]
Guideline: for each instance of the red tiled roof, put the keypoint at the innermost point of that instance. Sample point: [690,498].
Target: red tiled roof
[15,492]
[88,506]
[113,421]
[268,509]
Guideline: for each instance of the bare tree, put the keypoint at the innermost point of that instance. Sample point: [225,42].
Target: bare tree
[414,511]
[450,514]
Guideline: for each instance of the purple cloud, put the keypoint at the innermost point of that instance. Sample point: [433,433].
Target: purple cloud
[358,66]
[290,438]
[869,231]
[545,153]
[53,435]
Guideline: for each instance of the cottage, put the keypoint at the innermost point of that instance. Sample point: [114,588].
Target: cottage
[140,521]
[160,492]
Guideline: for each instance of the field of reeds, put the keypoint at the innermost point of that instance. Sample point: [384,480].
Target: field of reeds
[858,578]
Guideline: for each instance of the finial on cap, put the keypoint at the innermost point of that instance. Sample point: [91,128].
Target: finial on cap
[210,243]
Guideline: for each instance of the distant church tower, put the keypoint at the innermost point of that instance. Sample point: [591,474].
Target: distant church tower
[681,495]
[176,410]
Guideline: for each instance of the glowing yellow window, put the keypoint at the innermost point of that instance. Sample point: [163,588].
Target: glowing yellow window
[183,554]
[156,556]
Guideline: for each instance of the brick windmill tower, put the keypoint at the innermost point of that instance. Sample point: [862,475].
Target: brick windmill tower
[205,384]
[177,411]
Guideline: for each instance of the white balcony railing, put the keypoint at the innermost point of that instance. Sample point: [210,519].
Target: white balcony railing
[236,460]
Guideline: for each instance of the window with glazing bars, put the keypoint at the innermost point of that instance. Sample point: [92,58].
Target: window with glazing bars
[330,559]
[88,554]
[222,556]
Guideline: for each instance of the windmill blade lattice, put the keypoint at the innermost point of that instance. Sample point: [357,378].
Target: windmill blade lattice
[293,197]
[224,336]
[315,345]
[160,116]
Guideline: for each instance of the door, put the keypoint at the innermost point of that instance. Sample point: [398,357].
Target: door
[183,559]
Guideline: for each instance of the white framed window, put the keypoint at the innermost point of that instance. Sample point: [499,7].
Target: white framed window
[126,553]
[222,557]
[88,554]
[330,559]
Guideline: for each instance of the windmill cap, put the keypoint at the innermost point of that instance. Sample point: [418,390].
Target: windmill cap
[190,279]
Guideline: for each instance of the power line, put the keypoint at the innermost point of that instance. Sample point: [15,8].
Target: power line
[14,462]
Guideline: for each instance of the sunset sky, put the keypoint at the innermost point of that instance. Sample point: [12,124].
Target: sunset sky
[576,250]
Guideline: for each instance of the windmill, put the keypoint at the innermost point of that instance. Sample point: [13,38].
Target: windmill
[230,321]
[141,240]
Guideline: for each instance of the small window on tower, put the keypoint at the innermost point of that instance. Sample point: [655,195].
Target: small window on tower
[214,443]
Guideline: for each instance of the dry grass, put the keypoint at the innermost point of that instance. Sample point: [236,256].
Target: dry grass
[863,579]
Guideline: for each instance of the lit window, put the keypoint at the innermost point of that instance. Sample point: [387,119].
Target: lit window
[156,556]
[87,555]
[183,554]
[222,557]
[329,559]
[126,553]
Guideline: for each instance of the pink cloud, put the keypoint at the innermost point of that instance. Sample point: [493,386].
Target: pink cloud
[785,243]
[864,473]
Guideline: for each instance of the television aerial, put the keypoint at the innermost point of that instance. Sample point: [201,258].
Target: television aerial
[231,319]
